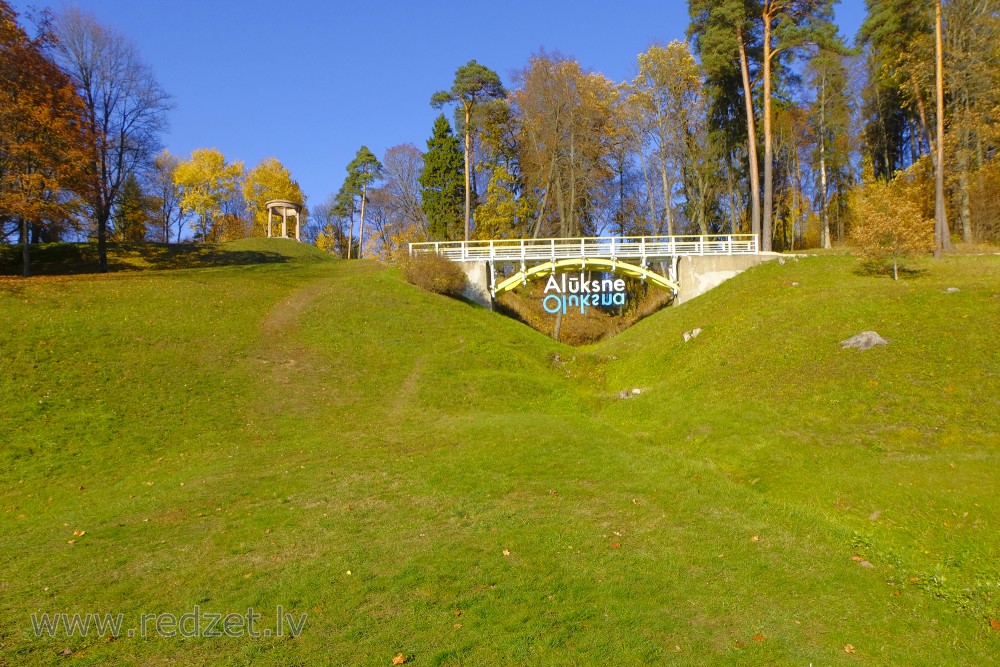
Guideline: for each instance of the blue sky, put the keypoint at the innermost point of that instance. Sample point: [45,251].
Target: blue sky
[310,82]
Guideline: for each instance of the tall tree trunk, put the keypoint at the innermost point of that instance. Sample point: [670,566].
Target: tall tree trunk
[751,138]
[964,154]
[914,141]
[102,242]
[766,223]
[361,232]
[545,199]
[350,234]
[25,248]
[468,169]
[942,236]
[649,191]
[668,212]
[731,191]
[824,218]
[922,112]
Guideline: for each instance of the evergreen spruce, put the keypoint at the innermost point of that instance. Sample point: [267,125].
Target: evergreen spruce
[442,183]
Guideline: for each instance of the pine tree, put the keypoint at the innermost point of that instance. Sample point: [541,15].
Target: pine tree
[362,171]
[442,182]
[474,84]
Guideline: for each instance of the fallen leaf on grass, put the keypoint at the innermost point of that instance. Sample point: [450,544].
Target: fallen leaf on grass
[848,648]
[995,624]
[857,559]
[458,626]
[70,541]
[758,637]
[615,545]
[506,552]
[755,538]
[79,533]
[399,659]
[457,612]
[65,651]
[739,644]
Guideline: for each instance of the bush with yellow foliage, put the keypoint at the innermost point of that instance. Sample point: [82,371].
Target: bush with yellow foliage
[890,221]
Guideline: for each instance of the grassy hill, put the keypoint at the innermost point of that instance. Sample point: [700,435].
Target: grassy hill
[421,476]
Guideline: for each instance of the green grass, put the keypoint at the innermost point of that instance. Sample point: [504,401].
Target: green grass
[246,434]
[81,258]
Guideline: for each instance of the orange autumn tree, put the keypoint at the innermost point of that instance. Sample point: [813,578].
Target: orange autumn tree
[890,220]
[43,136]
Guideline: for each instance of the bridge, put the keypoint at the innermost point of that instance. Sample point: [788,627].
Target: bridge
[633,256]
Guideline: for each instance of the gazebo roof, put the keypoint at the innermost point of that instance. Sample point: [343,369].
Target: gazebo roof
[283,204]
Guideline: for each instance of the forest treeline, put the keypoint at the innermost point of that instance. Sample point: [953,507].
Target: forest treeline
[765,121]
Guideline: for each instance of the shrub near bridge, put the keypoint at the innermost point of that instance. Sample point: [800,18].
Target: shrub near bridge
[435,274]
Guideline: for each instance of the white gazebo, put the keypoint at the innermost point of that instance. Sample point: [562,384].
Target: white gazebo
[285,209]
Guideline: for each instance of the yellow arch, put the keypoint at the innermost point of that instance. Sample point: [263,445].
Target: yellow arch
[614,266]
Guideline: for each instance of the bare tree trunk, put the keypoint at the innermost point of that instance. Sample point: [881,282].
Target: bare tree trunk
[667,187]
[731,191]
[922,111]
[964,151]
[766,232]
[545,199]
[468,170]
[649,190]
[361,232]
[102,242]
[25,248]
[824,218]
[751,137]
[350,234]
[942,236]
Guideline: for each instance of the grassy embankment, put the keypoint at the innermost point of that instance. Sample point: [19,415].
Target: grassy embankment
[423,477]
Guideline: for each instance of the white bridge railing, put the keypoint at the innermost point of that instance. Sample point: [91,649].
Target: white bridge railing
[609,247]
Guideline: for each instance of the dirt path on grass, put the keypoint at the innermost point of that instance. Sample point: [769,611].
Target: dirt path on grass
[408,389]
[284,317]
[282,357]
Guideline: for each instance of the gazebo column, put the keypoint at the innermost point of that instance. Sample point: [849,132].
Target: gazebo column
[286,209]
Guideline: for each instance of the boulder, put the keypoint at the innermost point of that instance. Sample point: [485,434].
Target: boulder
[863,341]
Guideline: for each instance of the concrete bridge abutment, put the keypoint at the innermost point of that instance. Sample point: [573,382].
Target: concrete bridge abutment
[478,289]
[698,274]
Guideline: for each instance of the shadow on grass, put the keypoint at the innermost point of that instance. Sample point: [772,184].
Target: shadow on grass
[876,268]
[63,259]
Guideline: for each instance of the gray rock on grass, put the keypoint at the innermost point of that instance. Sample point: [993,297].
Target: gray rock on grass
[863,341]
